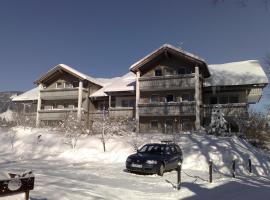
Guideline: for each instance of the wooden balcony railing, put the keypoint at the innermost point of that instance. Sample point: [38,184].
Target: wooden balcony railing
[122,112]
[167,109]
[57,114]
[61,94]
[233,109]
[167,82]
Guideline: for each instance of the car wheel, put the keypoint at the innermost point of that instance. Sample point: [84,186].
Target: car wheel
[161,170]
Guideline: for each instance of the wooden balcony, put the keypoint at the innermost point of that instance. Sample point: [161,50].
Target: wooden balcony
[233,109]
[56,114]
[118,112]
[167,83]
[167,109]
[61,94]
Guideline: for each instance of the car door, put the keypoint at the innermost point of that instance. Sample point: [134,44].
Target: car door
[175,157]
[179,153]
[168,158]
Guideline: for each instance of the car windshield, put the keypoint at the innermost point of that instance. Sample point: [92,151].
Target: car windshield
[152,149]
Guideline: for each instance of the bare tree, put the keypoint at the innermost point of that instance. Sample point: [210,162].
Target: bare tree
[73,129]
[107,126]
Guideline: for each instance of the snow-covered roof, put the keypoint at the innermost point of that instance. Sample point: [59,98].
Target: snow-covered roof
[119,84]
[236,73]
[160,50]
[71,71]
[29,95]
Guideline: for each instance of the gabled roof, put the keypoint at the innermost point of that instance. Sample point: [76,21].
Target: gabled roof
[30,95]
[247,72]
[70,70]
[169,48]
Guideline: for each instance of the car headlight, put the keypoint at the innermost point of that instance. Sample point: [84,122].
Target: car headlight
[151,162]
[128,159]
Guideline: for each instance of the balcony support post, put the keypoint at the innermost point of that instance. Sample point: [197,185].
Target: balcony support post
[88,105]
[138,74]
[40,86]
[79,112]
[197,98]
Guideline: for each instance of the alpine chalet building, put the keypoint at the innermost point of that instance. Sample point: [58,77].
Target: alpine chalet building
[168,91]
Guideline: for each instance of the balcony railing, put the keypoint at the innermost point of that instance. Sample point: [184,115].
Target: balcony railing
[122,112]
[233,109]
[167,82]
[57,114]
[167,109]
[61,94]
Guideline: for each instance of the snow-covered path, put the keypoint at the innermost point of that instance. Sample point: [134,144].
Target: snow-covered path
[59,180]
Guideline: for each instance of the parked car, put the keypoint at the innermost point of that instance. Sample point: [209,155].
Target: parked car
[155,158]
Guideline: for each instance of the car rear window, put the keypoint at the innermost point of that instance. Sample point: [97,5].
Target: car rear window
[153,149]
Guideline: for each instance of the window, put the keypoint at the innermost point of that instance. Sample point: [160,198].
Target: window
[185,97]
[128,103]
[213,100]
[75,84]
[124,103]
[154,124]
[169,98]
[224,100]
[189,70]
[68,85]
[169,72]
[233,99]
[173,149]
[154,99]
[59,85]
[158,72]
[181,71]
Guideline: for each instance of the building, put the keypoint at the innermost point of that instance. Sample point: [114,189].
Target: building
[167,91]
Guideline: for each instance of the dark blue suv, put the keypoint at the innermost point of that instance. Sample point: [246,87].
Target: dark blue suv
[155,158]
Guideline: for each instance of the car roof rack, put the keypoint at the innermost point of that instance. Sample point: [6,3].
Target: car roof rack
[167,141]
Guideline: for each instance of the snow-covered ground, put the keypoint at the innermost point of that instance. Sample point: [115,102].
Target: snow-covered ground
[86,172]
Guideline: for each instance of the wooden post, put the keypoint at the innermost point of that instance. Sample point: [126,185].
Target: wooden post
[79,112]
[88,105]
[27,194]
[138,74]
[249,166]
[179,166]
[210,171]
[197,98]
[233,168]
[40,86]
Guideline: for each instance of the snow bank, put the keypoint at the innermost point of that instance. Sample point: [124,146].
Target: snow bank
[197,149]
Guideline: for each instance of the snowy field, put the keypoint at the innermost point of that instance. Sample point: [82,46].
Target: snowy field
[86,172]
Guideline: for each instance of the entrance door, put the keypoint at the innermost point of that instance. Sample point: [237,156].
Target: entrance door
[169,126]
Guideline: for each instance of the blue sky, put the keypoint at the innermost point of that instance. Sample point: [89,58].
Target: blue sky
[103,38]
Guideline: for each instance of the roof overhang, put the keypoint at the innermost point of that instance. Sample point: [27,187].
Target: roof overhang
[169,49]
[69,70]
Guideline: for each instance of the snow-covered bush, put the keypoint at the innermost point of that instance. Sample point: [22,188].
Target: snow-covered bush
[19,119]
[218,125]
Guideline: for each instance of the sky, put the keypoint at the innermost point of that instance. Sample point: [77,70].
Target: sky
[103,38]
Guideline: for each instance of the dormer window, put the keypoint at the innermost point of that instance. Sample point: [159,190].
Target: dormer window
[158,72]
